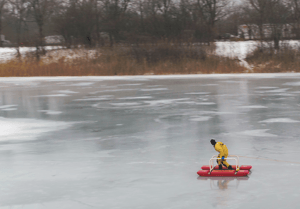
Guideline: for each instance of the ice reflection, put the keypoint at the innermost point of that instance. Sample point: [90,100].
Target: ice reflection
[226,187]
[223,183]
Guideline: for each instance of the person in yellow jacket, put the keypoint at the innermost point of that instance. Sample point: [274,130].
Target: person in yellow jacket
[223,153]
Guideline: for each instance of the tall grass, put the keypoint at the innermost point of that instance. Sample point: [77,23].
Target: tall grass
[128,60]
[266,59]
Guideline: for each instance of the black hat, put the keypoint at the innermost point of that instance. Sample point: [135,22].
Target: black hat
[213,142]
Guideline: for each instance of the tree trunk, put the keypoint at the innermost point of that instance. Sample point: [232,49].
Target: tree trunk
[111,40]
[97,26]
[18,38]
[1,44]
[41,38]
[88,40]
[276,43]
[276,40]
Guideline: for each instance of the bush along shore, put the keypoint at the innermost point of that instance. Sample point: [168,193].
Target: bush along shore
[158,59]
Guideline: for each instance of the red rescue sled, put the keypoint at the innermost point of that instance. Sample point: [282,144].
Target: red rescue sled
[242,167]
[212,171]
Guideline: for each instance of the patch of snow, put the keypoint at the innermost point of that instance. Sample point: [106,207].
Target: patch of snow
[7,106]
[252,107]
[279,120]
[25,80]
[231,81]
[155,89]
[133,98]
[210,85]
[53,95]
[276,90]
[187,102]
[198,93]
[131,84]
[9,109]
[113,90]
[66,92]
[258,133]
[50,112]
[27,129]
[199,119]
[8,53]
[101,98]
[205,103]
[125,104]
[83,84]
[164,101]
[266,87]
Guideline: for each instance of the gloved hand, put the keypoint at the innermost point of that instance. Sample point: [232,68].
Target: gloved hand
[223,158]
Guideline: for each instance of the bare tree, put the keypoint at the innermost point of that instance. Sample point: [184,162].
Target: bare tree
[2,4]
[64,23]
[85,16]
[113,14]
[277,19]
[260,7]
[271,16]
[19,10]
[42,11]
[211,11]
[294,6]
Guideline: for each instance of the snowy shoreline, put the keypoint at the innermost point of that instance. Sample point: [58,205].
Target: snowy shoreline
[138,77]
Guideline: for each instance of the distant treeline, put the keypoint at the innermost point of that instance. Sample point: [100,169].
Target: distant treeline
[107,22]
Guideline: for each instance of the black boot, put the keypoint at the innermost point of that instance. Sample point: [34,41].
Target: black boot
[220,167]
[230,167]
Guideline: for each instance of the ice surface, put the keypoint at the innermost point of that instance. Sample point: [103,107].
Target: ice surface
[292,84]
[141,149]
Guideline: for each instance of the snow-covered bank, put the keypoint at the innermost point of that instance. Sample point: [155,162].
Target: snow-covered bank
[240,49]
[7,53]
[232,49]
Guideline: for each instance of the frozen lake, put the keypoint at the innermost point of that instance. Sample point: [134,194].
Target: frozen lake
[137,142]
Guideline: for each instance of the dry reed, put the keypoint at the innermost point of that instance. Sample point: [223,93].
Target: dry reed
[137,60]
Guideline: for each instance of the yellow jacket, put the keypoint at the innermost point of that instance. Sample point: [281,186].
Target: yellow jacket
[222,149]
